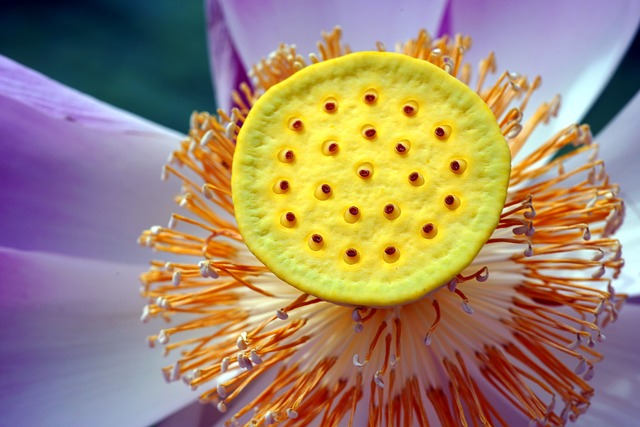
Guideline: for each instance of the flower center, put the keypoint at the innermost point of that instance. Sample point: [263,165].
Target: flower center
[418,151]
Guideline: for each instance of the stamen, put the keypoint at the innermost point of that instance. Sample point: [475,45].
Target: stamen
[434,325]
[540,313]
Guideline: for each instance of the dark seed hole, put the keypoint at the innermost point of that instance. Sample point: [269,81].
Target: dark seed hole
[351,253]
[354,210]
[290,216]
[390,250]
[326,189]
[316,238]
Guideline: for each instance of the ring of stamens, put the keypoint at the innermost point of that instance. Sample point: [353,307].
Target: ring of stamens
[552,302]
[433,161]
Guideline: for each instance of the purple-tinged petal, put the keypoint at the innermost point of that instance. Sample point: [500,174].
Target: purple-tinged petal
[255,28]
[617,378]
[620,149]
[194,415]
[78,177]
[228,71]
[574,45]
[57,101]
[73,350]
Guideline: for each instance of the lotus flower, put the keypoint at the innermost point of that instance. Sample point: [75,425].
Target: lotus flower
[80,180]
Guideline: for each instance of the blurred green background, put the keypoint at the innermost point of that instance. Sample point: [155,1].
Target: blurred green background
[150,57]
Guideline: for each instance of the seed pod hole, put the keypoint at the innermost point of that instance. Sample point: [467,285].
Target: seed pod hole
[402,147]
[295,124]
[410,108]
[416,179]
[429,230]
[281,187]
[391,211]
[352,214]
[330,105]
[365,170]
[288,219]
[442,132]
[370,96]
[330,148]
[458,166]
[316,242]
[351,256]
[451,202]
[323,192]
[369,132]
[286,155]
[390,254]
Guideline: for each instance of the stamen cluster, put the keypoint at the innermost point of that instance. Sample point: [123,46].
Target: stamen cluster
[523,320]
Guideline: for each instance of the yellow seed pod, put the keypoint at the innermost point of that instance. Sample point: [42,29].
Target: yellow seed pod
[395,221]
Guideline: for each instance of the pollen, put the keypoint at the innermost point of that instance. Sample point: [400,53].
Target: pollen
[389,103]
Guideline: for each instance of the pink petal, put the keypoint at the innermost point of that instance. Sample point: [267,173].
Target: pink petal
[249,30]
[617,378]
[574,45]
[74,351]
[78,177]
[620,150]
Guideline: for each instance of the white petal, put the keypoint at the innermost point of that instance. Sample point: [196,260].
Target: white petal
[78,177]
[617,378]
[575,45]
[73,350]
[620,150]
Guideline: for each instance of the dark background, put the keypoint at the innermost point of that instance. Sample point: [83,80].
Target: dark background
[150,57]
